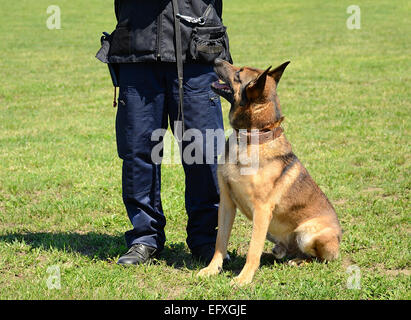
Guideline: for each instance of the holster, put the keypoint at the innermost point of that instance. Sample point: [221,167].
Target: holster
[103,54]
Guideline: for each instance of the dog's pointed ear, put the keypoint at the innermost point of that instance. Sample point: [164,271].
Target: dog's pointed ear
[278,72]
[256,86]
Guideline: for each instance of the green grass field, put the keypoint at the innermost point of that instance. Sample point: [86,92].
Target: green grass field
[346,98]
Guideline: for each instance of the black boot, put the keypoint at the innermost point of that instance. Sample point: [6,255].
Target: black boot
[138,253]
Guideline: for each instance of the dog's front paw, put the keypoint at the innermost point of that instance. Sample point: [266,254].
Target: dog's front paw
[208,271]
[241,280]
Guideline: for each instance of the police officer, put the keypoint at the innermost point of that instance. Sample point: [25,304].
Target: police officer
[141,53]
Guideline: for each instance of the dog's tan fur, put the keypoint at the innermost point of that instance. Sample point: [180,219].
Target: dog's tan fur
[283,202]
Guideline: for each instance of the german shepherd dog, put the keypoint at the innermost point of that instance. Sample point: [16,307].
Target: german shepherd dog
[283,202]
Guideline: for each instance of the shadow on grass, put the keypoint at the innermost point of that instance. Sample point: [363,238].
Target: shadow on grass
[107,247]
[98,246]
[176,255]
[93,245]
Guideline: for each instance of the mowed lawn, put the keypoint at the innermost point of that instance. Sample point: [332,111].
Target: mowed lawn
[346,98]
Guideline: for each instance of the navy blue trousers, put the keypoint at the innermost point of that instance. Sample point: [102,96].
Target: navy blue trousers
[148,100]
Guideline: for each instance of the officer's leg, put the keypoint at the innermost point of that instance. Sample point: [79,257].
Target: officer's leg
[140,111]
[202,111]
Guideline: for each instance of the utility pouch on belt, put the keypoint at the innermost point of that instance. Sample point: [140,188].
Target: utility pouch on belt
[113,68]
[209,39]
[209,43]
[103,55]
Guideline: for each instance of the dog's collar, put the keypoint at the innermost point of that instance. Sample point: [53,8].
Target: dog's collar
[259,137]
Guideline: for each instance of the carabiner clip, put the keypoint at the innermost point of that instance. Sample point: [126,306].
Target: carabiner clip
[192,20]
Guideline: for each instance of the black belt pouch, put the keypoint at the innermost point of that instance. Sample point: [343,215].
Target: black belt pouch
[103,55]
[210,40]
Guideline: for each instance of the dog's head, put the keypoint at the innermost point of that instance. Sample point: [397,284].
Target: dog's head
[252,94]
